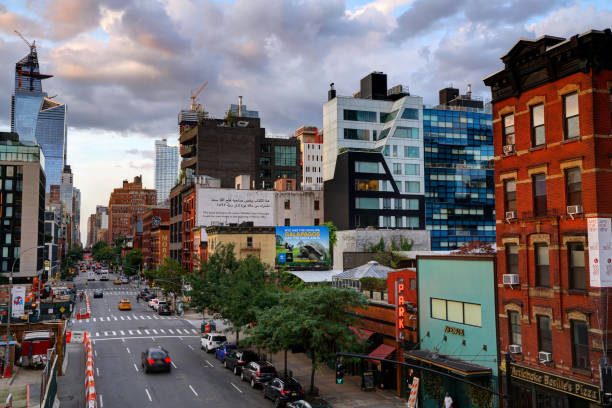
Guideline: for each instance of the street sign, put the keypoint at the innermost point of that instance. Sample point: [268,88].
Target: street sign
[47,265]
[62,309]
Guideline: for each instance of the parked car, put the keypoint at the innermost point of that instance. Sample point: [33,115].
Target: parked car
[236,359]
[125,304]
[164,310]
[210,341]
[148,297]
[223,350]
[98,294]
[125,280]
[283,390]
[311,403]
[158,304]
[152,302]
[258,373]
[155,359]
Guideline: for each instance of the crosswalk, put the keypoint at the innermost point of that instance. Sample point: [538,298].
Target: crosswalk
[124,317]
[119,292]
[145,332]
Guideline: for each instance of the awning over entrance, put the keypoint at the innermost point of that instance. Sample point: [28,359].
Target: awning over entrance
[454,365]
[363,334]
[382,351]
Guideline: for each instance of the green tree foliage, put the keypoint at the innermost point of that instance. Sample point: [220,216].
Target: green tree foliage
[133,261]
[98,246]
[169,276]
[105,254]
[371,283]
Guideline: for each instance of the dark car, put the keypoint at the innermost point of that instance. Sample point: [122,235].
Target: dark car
[311,403]
[156,359]
[236,359]
[148,297]
[98,294]
[283,390]
[223,350]
[164,310]
[258,373]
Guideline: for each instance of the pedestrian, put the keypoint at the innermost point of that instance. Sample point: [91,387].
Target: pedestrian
[448,401]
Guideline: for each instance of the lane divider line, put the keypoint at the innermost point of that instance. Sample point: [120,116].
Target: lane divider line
[233,385]
[209,363]
[128,350]
[149,395]
[135,367]
[192,390]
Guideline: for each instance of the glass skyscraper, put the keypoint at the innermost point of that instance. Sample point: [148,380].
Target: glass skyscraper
[39,119]
[459,178]
[166,169]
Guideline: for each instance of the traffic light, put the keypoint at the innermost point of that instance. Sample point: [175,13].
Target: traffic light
[339,372]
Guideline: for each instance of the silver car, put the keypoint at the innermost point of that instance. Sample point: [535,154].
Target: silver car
[210,341]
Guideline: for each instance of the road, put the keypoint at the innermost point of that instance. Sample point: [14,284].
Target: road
[197,378]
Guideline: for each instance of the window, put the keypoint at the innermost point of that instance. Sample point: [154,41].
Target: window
[510,195]
[541,263]
[366,185]
[411,152]
[384,133]
[398,204]
[316,205]
[265,148]
[399,223]
[573,186]
[413,222]
[386,203]
[387,221]
[386,150]
[360,116]
[580,345]
[438,309]
[316,221]
[406,132]
[514,320]
[575,262]
[412,204]
[538,135]
[455,311]
[397,168]
[413,187]
[366,167]
[394,150]
[539,194]
[386,117]
[287,204]
[571,126]
[357,134]
[412,169]
[512,259]
[249,243]
[285,155]
[265,161]
[508,129]
[367,203]
[544,334]
[410,113]
[287,222]
[473,314]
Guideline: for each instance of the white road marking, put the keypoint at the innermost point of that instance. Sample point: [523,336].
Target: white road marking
[192,390]
[114,333]
[153,338]
[101,401]
[173,365]
[114,318]
[146,331]
[190,346]
[106,333]
[170,330]
[135,367]
[138,331]
[149,317]
[154,331]
[97,334]
[128,350]
[148,395]
[209,363]
[96,353]
[181,338]
[144,337]
[122,332]
[86,320]
[97,372]
[129,331]
[195,331]
[121,317]
[162,330]
[186,331]
[94,319]
[233,385]
[128,317]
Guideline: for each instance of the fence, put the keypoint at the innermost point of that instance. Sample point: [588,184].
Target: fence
[48,385]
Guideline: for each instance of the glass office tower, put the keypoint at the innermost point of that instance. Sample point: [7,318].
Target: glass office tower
[51,136]
[166,169]
[459,178]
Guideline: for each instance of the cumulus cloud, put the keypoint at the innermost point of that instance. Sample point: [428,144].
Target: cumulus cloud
[566,22]
[68,18]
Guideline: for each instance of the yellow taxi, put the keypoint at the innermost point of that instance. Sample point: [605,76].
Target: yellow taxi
[117,282]
[125,305]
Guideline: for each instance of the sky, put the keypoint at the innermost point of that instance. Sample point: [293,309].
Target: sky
[125,68]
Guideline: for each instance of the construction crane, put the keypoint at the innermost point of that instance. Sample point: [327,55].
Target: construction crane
[195,107]
[32,46]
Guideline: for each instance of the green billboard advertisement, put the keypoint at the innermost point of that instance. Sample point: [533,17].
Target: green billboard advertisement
[305,247]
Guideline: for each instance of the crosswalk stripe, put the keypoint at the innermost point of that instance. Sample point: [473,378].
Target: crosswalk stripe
[170,330]
[86,320]
[121,317]
[122,332]
[106,333]
[195,331]
[146,331]
[114,318]
[156,317]
[128,317]
[143,318]
[129,331]
[163,331]
[94,319]
[149,317]
[154,331]
[114,333]
[138,331]
[97,334]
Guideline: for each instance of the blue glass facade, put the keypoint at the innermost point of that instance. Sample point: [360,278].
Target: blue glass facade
[26,106]
[51,136]
[459,178]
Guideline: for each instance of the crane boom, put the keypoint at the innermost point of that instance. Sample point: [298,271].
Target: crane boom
[195,95]
[24,39]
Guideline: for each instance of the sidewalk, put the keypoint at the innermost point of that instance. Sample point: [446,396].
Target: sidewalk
[70,387]
[347,395]
[19,381]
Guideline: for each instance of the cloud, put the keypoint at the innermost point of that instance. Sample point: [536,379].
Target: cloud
[67,18]
[573,20]
[147,154]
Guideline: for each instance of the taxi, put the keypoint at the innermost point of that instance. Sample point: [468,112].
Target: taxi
[117,282]
[125,305]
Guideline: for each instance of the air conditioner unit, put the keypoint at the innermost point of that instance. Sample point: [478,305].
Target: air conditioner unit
[574,209]
[545,357]
[508,149]
[511,279]
[516,349]
[510,215]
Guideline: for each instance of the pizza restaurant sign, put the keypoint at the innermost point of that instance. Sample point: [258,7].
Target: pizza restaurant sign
[576,388]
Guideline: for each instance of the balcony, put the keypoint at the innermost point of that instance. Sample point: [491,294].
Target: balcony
[187,151]
[189,163]
[188,135]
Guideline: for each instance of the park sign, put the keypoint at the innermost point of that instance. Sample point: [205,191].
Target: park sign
[304,247]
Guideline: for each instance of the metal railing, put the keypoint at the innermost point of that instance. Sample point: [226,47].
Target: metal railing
[48,385]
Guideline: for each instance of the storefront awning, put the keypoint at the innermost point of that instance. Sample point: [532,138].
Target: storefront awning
[454,365]
[363,334]
[382,351]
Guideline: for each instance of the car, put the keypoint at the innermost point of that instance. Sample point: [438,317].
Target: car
[223,350]
[311,403]
[258,373]
[153,302]
[147,297]
[159,303]
[155,359]
[236,359]
[117,282]
[125,304]
[144,292]
[283,390]
[210,341]
[125,280]
[164,310]
[98,294]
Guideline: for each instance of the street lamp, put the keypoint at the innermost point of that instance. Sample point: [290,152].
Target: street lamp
[10,304]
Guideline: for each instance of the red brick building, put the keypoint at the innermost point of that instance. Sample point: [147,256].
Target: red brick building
[126,205]
[154,221]
[190,261]
[553,171]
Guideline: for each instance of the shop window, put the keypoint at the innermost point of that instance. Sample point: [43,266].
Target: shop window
[573,186]
[542,265]
[571,125]
[544,334]
[538,136]
[512,259]
[580,345]
[539,194]
[514,320]
[575,261]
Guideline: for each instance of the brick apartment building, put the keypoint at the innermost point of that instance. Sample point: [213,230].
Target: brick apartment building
[155,224]
[553,171]
[126,205]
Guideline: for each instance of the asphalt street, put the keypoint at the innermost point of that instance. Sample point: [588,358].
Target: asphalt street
[197,378]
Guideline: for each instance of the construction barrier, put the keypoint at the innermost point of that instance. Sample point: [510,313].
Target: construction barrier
[90,386]
[85,313]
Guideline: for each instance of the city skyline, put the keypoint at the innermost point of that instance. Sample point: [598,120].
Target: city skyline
[111,59]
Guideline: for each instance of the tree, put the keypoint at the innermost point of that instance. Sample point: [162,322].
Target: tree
[169,276]
[106,254]
[98,246]
[133,261]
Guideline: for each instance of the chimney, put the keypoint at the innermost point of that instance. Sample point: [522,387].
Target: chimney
[469,91]
[240,106]
[331,94]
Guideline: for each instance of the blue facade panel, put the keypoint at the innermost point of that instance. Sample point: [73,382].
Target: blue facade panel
[51,136]
[26,108]
[459,177]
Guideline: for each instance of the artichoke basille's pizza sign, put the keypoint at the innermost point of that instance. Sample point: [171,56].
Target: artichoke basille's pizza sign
[302,246]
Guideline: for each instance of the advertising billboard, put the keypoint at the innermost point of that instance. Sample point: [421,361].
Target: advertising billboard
[229,206]
[302,247]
